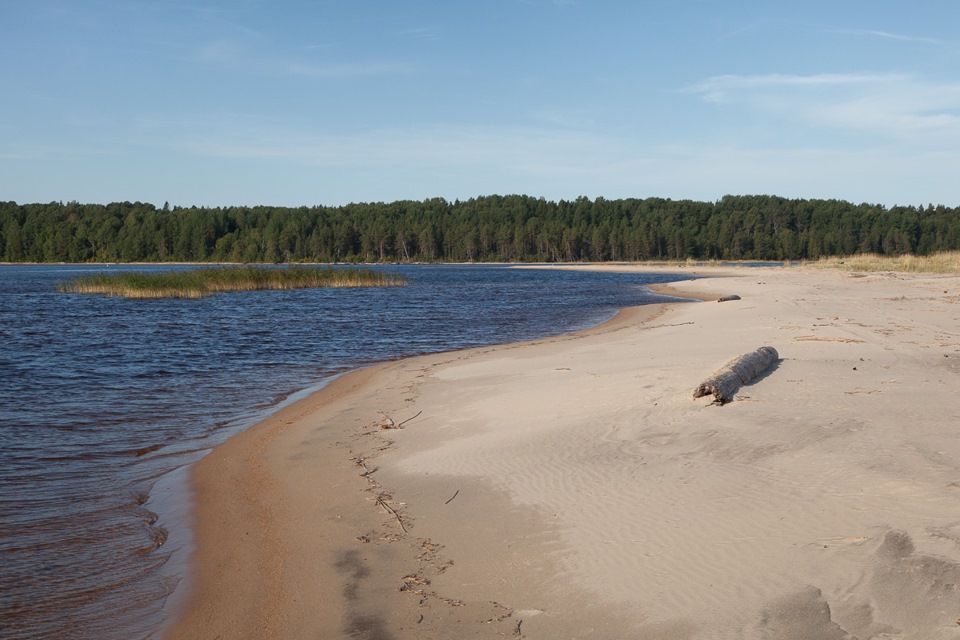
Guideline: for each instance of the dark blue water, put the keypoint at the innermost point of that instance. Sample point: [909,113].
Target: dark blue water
[100,397]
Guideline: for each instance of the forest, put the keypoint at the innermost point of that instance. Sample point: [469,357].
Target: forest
[513,228]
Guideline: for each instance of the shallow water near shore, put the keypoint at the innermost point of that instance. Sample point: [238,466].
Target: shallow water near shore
[102,397]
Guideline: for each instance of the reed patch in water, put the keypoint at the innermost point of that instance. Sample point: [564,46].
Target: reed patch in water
[199,283]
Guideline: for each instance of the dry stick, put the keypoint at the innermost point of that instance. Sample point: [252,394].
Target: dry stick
[661,326]
[452,497]
[366,470]
[408,420]
[395,514]
[390,423]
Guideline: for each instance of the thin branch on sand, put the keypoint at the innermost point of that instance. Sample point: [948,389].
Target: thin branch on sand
[391,510]
[400,426]
[388,422]
[362,462]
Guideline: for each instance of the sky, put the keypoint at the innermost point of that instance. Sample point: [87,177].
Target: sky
[303,103]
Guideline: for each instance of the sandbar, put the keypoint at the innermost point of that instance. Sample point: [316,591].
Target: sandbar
[571,487]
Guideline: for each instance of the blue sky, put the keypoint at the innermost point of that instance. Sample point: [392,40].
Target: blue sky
[291,103]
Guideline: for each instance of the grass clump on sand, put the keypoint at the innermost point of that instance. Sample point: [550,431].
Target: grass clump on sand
[945,262]
[198,283]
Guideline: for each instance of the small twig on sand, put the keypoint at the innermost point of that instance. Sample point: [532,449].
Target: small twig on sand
[452,497]
[400,426]
[390,509]
[388,422]
[661,326]
[362,462]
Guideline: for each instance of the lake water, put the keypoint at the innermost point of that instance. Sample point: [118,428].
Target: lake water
[103,400]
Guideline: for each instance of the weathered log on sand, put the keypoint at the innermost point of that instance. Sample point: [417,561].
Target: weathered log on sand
[725,383]
[728,298]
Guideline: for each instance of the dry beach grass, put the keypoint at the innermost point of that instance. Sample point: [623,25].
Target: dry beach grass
[946,262]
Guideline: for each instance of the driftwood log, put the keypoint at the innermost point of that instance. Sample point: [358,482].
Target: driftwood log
[728,298]
[725,383]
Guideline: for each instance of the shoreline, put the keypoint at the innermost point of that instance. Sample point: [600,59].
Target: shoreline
[216,478]
[570,485]
[172,501]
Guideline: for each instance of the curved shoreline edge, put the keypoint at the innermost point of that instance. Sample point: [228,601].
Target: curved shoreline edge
[219,482]
[570,485]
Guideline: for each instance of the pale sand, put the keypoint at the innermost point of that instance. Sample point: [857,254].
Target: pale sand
[572,488]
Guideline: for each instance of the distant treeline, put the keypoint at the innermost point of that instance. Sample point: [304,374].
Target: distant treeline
[492,228]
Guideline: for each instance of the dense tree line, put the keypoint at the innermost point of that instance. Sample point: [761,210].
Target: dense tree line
[491,228]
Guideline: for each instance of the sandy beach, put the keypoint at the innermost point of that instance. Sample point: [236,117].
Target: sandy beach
[572,487]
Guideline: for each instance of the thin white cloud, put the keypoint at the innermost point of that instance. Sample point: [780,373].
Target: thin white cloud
[36,149]
[885,174]
[422,33]
[336,70]
[467,150]
[237,48]
[237,158]
[235,55]
[887,105]
[424,146]
[747,28]
[887,35]
[731,87]
[547,161]
[556,3]
[568,118]
[220,52]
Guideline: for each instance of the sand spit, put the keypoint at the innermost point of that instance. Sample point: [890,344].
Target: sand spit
[573,488]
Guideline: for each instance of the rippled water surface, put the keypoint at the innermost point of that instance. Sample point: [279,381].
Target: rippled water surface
[100,397]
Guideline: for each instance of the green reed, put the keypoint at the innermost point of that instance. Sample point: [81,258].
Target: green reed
[198,283]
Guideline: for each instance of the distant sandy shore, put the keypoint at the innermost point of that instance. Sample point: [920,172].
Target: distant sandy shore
[572,487]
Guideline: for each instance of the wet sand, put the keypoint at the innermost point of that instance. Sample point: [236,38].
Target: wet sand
[572,488]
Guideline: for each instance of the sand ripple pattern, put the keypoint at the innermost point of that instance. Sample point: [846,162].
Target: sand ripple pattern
[821,503]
